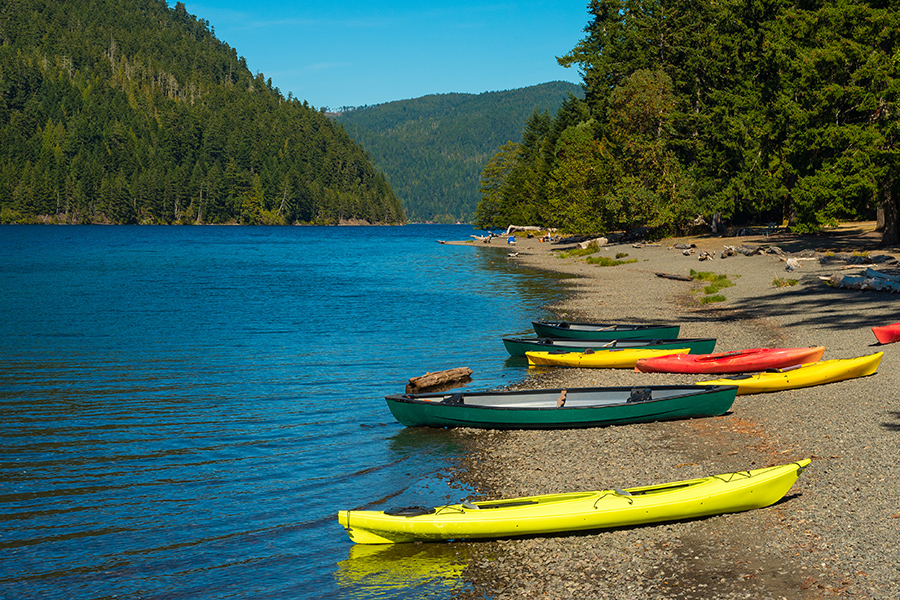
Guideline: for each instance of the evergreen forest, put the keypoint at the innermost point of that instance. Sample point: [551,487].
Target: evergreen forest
[129,111]
[756,111]
[433,148]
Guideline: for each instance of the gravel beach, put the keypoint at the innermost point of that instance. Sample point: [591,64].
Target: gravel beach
[836,533]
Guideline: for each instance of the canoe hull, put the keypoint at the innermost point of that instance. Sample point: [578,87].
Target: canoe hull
[742,361]
[601,359]
[887,334]
[557,513]
[520,346]
[536,409]
[604,331]
[826,371]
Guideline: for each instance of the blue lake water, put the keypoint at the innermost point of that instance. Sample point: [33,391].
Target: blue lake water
[183,410]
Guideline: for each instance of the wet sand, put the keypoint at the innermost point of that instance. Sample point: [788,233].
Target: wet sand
[836,533]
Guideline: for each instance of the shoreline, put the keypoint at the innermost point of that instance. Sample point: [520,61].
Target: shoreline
[838,529]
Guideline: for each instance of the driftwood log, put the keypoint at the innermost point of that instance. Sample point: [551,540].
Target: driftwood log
[600,241]
[675,276]
[439,379]
[514,228]
[872,280]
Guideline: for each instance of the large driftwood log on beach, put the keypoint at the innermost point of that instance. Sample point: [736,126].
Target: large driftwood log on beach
[600,241]
[514,228]
[439,379]
[872,280]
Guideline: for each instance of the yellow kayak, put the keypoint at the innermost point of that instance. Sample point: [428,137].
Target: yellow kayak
[824,371]
[554,513]
[623,358]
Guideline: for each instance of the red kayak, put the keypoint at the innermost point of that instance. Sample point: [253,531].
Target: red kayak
[887,333]
[739,361]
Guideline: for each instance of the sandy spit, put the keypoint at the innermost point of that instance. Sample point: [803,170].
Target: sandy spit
[836,534]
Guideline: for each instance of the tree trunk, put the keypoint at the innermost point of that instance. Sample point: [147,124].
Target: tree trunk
[889,218]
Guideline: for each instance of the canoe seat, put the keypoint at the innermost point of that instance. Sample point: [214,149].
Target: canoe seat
[640,395]
[408,511]
[454,399]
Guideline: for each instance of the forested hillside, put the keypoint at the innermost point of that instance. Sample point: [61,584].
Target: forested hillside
[128,111]
[434,148]
[758,111]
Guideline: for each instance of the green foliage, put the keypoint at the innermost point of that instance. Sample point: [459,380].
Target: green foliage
[434,148]
[714,288]
[756,111]
[716,283]
[127,111]
[783,282]
[605,261]
[10,217]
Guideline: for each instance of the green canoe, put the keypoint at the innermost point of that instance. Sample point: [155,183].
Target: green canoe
[580,407]
[604,331]
[519,346]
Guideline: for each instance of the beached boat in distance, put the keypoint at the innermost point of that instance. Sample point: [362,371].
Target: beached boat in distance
[576,511]
[739,361]
[604,331]
[887,334]
[825,371]
[625,358]
[560,408]
[520,346]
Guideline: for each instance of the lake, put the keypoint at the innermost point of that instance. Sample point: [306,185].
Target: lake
[184,409]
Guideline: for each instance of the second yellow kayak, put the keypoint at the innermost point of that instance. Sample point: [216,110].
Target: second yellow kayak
[624,358]
[824,371]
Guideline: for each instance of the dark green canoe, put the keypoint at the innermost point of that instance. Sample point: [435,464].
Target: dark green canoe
[604,331]
[583,407]
[519,346]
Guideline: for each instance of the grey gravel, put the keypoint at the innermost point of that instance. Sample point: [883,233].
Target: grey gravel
[837,532]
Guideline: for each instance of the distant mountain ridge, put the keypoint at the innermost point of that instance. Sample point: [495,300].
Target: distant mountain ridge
[432,149]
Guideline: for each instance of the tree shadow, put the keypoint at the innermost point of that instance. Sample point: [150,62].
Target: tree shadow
[816,304]
[847,238]
[893,426]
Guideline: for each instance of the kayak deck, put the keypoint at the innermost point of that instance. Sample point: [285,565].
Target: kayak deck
[738,361]
[819,373]
[601,359]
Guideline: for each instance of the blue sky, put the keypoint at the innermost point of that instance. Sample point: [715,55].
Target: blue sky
[370,52]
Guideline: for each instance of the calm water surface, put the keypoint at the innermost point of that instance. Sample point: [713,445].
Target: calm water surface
[184,409]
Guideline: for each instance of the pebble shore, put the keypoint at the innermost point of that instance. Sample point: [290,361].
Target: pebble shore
[836,533]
